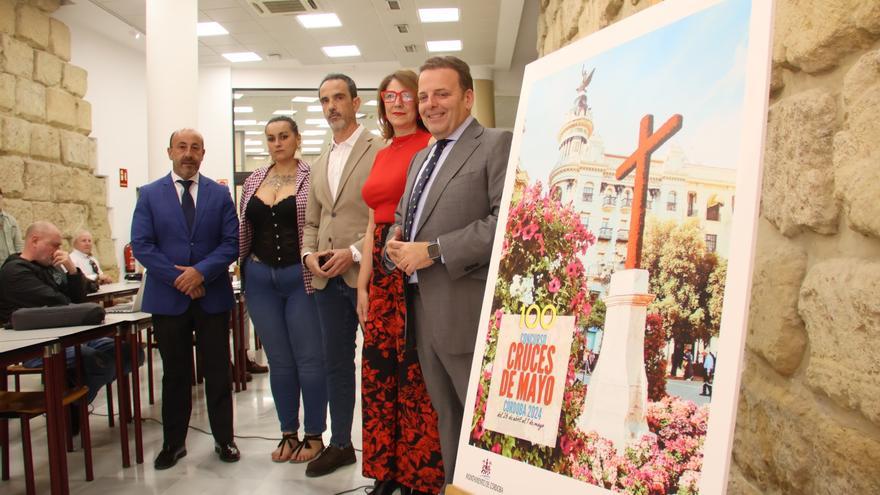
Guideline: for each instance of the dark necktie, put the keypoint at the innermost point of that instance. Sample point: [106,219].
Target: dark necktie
[93,265]
[187,203]
[419,187]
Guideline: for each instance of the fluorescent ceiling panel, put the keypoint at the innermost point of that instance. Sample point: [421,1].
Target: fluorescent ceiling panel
[341,51]
[317,21]
[304,99]
[438,15]
[243,109]
[242,57]
[314,132]
[210,29]
[284,112]
[313,141]
[444,46]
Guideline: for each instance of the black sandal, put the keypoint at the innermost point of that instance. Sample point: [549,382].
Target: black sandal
[291,441]
[307,444]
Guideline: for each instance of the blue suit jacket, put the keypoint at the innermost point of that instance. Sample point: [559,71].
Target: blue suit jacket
[160,239]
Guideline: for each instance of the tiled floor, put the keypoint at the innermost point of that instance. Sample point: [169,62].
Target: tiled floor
[200,472]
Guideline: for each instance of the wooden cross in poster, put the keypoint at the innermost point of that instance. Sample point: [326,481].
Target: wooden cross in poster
[640,161]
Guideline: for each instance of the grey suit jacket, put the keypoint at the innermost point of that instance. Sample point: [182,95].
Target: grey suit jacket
[340,222]
[461,210]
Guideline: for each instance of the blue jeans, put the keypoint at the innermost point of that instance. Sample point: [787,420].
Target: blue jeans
[339,323]
[99,364]
[286,319]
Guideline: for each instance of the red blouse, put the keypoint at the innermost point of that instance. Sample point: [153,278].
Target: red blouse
[384,187]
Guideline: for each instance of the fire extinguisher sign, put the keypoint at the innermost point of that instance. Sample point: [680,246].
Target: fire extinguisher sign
[123,177]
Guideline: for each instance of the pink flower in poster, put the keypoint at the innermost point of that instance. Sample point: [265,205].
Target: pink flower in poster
[496,448]
[574,269]
[529,231]
[554,285]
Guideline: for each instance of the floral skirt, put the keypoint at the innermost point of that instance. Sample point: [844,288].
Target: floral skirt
[400,435]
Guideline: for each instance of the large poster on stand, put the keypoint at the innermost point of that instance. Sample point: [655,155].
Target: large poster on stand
[614,319]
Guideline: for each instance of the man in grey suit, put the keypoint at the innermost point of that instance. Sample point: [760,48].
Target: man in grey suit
[336,218]
[447,215]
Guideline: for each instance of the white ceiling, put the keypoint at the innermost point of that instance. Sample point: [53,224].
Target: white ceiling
[488,30]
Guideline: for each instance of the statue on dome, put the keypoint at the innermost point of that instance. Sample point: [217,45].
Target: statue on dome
[580,103]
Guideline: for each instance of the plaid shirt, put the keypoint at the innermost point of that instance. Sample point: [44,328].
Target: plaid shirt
[246,230]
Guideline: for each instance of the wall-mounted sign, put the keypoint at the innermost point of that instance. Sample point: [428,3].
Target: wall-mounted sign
[123,177]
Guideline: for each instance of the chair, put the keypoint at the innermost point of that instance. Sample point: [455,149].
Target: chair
[26,405]
[17,370]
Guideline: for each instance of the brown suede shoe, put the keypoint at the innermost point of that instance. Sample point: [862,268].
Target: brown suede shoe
[331,459]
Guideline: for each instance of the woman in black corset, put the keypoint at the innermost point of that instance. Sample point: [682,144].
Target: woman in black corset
[279,293]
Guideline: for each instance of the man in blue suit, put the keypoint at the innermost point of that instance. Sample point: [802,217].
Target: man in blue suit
[185,232]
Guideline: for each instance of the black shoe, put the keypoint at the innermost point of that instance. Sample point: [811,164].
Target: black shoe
[331,459]
[228,452]
[252,367]
[168,457]
[383,487]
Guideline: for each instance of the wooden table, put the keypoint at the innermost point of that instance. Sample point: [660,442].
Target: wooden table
[107,292]
[122,327]
[16,348]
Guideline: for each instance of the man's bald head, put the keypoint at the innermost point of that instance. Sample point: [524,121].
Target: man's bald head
[42,239]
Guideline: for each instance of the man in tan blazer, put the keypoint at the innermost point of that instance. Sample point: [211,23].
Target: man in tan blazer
[336,218]
[448,214]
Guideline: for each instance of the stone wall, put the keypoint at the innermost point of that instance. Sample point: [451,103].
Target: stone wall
[809,411]
[47,160]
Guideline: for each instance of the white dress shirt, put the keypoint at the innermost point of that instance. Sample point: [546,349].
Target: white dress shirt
[193,188]
[339,153]
[82,261]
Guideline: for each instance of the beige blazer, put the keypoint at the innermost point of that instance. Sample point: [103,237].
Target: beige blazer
[341,222]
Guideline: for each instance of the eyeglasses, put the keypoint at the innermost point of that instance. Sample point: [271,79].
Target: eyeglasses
[389,96]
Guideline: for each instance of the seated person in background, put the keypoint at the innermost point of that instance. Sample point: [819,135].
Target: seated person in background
[36,278]
[83,259]
[10,235]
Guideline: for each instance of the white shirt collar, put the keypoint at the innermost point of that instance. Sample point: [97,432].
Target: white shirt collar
[456,134]
[351,139]
[175,178]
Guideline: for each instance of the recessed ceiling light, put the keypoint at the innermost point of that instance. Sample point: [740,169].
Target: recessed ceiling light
[444,46]
[244,122]
[315,121]
[313,141]
[242,57]
[341,51]
[438,15]
[210,29]
[314,132]
[315,21]
[263,122]
[243,109]
[311,150]
[254,150]
[371,103]
[248,142]
[314,108]
[253,133]
[236,96]
[284,112]
[304,99]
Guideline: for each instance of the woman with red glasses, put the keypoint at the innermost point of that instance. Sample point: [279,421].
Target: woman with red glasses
[401,443]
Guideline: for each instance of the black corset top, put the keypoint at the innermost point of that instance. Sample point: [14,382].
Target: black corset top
[276,236]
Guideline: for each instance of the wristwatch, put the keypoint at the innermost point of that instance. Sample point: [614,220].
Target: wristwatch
[434,251]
